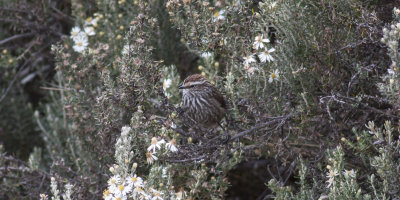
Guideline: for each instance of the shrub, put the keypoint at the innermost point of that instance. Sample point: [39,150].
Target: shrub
[301,78]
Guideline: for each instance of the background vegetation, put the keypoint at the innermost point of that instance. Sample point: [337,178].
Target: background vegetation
[89,106]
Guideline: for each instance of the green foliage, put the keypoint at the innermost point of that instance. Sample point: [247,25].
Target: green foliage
[390,86]
[383,180]
[27,30]
[35,158]
[301,79]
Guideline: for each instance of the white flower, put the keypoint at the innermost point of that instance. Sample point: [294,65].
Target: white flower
[330,181]
[81,42]
[168,95]
[259,42]
[265,55]
[75,32]
[167,83]
[206,55]
[219,15]
[43,197]
[90,21]
[157,195]
[126,49]
[332,173]
[113,184]
[250,70]
[107,195]
[162,141]
[134,181]
[391,71]
[349,173]
[79,36]
[124,189]
[272,5]
[154,145]
[140,191]
[274,76]
[150,158]
[248,59]
[120,196]
[89,31]
[171,146]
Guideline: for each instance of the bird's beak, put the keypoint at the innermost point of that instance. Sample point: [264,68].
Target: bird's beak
[181,86]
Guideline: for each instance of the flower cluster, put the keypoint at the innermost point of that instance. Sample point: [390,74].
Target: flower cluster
[342,183]
[122,188]
[264,55]
[80,37]
[156,145]
[67,195]
[331,176]
[348,174]
[125,183]
[54,190]
[221,32]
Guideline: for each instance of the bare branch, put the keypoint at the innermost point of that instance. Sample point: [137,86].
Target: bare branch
[14,37]
[188,160]
[281,119]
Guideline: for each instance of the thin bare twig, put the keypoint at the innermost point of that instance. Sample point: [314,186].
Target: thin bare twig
[282,120]
[53,88]
[367,68]
[10,85]
[14,37]
[188,160]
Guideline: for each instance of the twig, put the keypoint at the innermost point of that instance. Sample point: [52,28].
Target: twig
[368,68]
[53,88]
[282,120]
[291,169]
[10,85]
[187,160]
[14,37]
[59,76]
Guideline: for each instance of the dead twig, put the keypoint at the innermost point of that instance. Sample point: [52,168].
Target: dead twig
[14,37]
[281,121]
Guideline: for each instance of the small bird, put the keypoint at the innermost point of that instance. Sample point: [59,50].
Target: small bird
[202,102]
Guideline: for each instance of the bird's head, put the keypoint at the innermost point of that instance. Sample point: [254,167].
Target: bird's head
[193,83]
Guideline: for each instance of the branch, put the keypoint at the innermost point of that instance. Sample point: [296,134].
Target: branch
[9,87]
[281,119]
[14,37]
[367,68]
[187,160]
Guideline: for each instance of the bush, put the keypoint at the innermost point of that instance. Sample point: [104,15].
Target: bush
[301,78]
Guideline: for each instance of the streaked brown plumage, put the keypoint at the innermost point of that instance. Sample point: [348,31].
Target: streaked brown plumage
[201,101]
